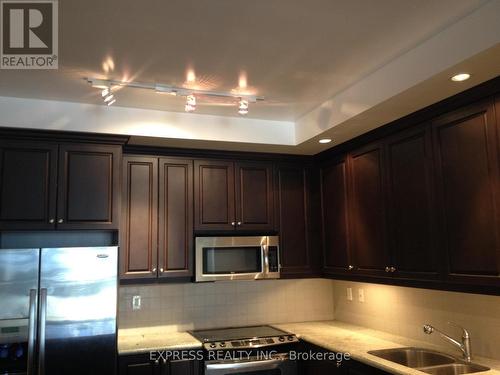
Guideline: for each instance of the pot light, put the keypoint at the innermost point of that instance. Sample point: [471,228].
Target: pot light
[460,77]
[243,107]
[325,140]
[190,103]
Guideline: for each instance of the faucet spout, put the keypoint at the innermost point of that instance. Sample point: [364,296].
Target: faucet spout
[464,346]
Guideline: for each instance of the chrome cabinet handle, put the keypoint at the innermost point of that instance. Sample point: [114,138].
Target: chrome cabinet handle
[154,269]
[350,268]
[161,269]
[393,269]
[60,221]
[41,331]
[233,223]
[31,332]
[239,223]
[51,221]
[387,269]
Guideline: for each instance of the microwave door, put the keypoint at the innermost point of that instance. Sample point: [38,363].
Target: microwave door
[18,313]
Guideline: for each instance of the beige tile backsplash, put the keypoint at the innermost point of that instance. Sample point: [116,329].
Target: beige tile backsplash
[397,310]
[204,305]
[403,311]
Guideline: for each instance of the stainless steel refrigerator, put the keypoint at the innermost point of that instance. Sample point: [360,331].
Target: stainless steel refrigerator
[58,311]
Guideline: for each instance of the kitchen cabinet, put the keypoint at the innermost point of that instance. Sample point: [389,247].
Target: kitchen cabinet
[45,185]
[367,236]
[157,227]
[466,143]
[294,211]
[411,202]
[141,364]
[335,215]
[233,196]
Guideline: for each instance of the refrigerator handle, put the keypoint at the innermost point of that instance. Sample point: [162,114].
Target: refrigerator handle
[32,332]
[41,331]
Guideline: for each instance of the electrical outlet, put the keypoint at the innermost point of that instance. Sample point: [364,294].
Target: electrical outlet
[349,294]
[361,295]
[136,302]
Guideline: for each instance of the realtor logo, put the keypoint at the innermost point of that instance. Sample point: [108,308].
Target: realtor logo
[29,37]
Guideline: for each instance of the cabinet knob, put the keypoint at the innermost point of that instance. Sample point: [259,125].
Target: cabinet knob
[350,268]
[393,269]
[233,223]
[51,221]
[154,269]
[60,221]
[239,223]
[387,269]
[157,361]
[161,269]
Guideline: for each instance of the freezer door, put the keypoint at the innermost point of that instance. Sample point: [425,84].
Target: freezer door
[18,309]
[77,324]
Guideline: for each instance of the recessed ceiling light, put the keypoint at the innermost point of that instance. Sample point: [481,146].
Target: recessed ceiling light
[325,140]
[460,77]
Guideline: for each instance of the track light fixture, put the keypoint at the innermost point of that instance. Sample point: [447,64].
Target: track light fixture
[191,94]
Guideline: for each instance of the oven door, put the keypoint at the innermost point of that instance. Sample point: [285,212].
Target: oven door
[230,258]
[278,365]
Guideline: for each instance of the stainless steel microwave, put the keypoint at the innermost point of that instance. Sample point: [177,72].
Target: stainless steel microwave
[237,258]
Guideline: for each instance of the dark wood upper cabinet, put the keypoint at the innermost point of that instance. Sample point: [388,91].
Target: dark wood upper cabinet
[294,220]
[468,185]
[214,195]
[254,196]
[233,195]
[28,179]
[367,208]
[334,206]
[138,243]
[175,218]
[412,217]
[88,186]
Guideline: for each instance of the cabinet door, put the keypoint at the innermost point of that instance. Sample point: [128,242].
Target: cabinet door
[254,196]
[336,257]
[183,367]
[89,186]
[175,235]
[28,176]
[214,195]
[468,184]
[293,209]
[367,227]
[412,217]
[138,365]
[139,245]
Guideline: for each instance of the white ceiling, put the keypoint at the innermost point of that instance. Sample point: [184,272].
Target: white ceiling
[296,53]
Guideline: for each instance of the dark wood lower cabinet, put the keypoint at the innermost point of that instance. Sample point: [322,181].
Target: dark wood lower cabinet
[141,364]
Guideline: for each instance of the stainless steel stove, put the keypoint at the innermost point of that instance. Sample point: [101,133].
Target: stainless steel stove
[256,350]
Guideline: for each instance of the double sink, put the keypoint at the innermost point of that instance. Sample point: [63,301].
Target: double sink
[428,361]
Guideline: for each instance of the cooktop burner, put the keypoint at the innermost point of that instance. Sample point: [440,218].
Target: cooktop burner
[243,337]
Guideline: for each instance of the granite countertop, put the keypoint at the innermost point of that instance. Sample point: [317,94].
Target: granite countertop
[145,339]
[332,335]
[357,341]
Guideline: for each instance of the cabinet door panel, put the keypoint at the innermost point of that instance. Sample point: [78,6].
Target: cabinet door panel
[138,365]
[181,367]
[367,236]
[468,184]
[254,196]
[214,195]
[293,216]
[88,189]
[139,247]
[411,207]
[335,216]
[175,218]
[28,177]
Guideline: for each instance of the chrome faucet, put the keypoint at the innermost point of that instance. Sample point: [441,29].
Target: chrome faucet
[464,346]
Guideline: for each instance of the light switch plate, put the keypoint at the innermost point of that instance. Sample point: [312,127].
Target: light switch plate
[361,295]
[349,294]
[136,302]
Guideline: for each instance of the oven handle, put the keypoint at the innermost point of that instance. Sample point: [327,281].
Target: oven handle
[265,364]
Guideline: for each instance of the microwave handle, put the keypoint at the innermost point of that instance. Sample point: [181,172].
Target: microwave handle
[265,259]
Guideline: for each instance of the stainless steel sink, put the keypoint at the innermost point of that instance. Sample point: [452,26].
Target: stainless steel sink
[455,369]
[414,357]
[428,361]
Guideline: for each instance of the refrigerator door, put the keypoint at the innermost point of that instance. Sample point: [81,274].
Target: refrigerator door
[18,309]
[77,318]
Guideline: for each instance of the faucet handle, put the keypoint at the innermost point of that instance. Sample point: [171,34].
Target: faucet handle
[465,333]
[428,329]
